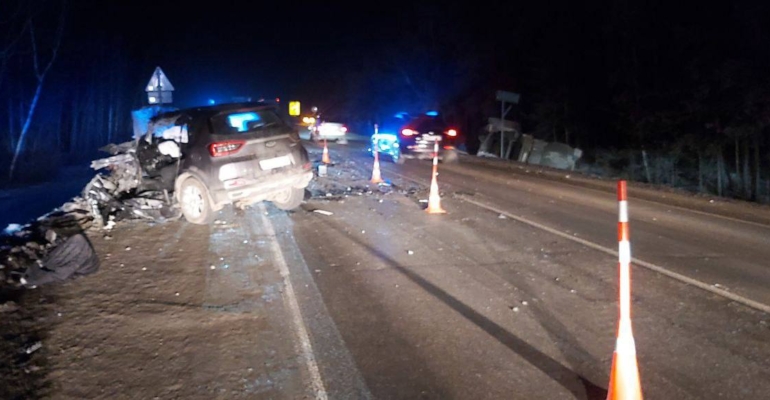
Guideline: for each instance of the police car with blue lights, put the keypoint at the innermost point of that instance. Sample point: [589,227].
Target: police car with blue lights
[404,136]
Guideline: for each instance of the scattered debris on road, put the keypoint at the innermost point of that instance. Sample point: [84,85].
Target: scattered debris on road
[35,347]
[28,253]
[323,212]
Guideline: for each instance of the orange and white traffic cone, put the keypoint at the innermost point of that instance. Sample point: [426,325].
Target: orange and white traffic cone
[376,176]
[325,158]
[624,376]
[434,199]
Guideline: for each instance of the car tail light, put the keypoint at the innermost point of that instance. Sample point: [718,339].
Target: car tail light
[408,132]
[344,129]
[451,132]
[220,149]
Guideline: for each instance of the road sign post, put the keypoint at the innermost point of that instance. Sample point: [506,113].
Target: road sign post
[159,89]
[294,108]
[502,126]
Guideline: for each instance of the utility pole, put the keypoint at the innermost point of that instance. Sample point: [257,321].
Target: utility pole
[505,97]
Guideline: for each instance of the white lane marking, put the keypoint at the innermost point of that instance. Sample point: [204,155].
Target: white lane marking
[653,267]
[636,199]
[296,315]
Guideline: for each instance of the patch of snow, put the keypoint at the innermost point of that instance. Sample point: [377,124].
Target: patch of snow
[12,228]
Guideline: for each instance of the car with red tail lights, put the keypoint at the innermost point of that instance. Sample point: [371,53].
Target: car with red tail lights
[415,137]
[238,154]
[201,159]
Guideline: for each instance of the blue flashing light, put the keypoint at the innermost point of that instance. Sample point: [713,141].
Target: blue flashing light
[238,121]
[212,102]
[401,115]
[432,113]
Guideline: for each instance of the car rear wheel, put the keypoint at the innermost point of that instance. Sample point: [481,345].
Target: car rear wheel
[194,201]
[289,199]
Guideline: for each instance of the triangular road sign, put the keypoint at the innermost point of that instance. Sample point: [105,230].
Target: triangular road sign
[159,81]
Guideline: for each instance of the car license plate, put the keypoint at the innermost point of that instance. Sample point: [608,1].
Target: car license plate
[432,138]
[276,162]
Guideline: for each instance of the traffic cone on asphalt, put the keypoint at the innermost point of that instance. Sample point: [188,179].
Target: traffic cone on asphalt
[376,177]
[624,376]
[325,158]
[434,199]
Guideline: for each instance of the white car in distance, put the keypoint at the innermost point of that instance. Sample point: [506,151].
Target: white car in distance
[329,131]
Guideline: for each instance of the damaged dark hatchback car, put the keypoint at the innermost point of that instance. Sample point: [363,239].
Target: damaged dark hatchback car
[198,160]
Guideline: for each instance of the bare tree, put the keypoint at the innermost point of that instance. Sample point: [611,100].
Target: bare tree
[40,70]
[12,31]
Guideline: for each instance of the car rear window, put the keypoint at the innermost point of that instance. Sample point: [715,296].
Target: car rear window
[246,122]
[428,125]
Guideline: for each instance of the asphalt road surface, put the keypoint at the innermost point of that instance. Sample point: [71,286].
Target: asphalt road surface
[360,294]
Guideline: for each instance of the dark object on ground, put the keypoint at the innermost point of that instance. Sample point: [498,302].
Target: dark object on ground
[71,259]
[29,246]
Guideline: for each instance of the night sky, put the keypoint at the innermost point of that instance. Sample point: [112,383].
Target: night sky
[300,49]
[287,48]
[595,68]
[256,49]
